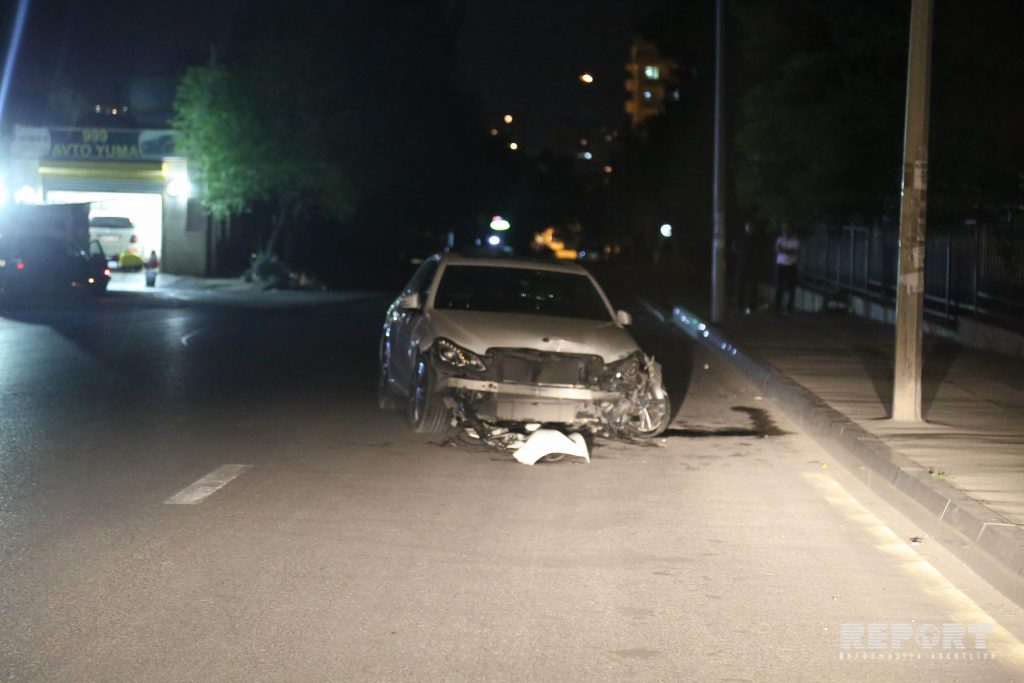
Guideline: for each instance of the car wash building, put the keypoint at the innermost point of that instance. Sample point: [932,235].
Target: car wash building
[121,173]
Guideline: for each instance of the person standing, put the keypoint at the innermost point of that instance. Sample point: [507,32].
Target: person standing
[746,259]
[151,265]
[787,253]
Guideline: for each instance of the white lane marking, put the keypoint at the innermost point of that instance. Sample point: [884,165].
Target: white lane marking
[211,483]
[1004,644]
[185,338]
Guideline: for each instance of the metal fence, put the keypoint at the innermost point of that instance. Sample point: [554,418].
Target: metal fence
[974,270]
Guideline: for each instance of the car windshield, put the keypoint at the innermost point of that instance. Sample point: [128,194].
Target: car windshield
[519,290]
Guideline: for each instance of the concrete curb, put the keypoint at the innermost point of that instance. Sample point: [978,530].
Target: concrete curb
[984,540]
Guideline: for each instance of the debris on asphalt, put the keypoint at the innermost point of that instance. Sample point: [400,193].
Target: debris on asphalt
[916,540]
[546,443]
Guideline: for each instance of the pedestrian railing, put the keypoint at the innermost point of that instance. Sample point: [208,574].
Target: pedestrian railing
[974,270]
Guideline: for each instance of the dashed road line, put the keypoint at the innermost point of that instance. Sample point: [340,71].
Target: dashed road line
[208,485]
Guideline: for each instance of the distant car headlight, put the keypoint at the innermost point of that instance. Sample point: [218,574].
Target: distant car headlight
[453,355]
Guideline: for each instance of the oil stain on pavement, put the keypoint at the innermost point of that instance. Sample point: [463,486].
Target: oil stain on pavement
[761,426]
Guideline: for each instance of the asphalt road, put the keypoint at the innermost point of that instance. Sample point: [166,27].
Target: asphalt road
[347,548]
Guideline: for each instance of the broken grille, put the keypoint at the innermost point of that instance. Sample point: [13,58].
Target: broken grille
[537,367]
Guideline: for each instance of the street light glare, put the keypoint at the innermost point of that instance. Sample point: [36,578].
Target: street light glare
[513,146]
[587,78]
[26,195]
[507,118]
[666,230]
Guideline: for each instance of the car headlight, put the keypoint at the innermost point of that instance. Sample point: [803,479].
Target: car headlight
[453,355]
[625,369]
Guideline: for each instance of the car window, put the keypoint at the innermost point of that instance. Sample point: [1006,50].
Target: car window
[111,222]
[520,290]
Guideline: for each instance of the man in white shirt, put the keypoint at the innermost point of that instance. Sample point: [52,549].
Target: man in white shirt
[787,251]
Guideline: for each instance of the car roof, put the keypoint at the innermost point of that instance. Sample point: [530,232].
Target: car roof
[453,259]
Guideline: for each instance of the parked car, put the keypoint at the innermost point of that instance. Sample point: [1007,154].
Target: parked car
[99,268]
[48,265]
[495,344]
[119,239]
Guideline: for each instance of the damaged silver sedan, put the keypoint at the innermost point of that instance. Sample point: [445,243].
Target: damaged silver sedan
[504,347]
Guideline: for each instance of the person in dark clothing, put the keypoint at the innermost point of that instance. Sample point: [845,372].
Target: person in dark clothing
[746,261]
[787,251]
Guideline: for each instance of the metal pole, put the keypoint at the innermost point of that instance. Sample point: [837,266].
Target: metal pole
[718,297]
[906,400]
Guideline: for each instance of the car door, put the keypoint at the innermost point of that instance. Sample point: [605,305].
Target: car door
[403,351]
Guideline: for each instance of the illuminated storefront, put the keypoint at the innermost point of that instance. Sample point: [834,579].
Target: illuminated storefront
[132,174]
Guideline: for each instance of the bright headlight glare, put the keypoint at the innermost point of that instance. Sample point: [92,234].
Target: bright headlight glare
[452,354]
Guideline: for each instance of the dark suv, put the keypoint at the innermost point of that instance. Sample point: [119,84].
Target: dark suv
[48,265]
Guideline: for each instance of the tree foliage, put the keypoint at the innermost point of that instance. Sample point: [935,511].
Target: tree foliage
[819,116]
[822,88]
[274,127]
[333,111]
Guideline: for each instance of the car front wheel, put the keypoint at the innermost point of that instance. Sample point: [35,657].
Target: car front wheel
[426,412]
[652,416]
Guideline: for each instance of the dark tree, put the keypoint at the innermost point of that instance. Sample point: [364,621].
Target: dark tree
[822,90]
[820,109]
[340,116]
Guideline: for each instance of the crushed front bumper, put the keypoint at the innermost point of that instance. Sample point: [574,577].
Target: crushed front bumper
[527,391]
[517,402]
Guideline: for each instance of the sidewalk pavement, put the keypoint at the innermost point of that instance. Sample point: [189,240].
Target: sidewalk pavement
[233,291]
[961,471]
[136,282]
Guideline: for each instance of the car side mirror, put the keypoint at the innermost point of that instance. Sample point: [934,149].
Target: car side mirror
[410,301]
[623,317]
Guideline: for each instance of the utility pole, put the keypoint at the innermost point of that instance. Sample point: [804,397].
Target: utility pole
[906,399]
[718,297]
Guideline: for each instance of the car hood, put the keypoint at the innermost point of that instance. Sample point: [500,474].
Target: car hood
[480,331]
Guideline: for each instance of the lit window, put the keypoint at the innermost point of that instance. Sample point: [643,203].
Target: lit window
[648,94]
[652,73]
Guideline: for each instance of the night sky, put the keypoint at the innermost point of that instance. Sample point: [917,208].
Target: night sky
[527,55]
[523,57]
